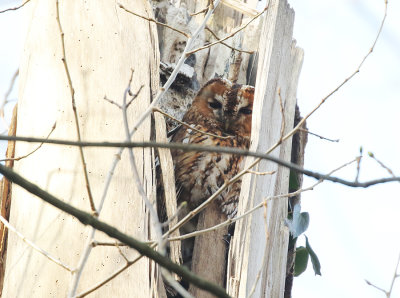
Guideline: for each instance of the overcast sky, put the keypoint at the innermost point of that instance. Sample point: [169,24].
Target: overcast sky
[355,232]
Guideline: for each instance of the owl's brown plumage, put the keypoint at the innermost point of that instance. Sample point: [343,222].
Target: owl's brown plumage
[223,109]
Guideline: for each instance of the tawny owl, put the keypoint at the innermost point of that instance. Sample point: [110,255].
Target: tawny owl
[223,109]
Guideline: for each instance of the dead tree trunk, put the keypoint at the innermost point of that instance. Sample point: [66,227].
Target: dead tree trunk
[259,248]
[102,44]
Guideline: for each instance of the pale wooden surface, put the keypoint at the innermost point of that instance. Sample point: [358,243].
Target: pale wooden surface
[209,254]
[251,252]
[101,66]
[168,177]
[103,43]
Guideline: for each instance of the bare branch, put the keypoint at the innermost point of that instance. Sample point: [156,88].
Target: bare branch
[190,126]
[154,21]
[179,64]
[359,158]
[30,153]
[153,213]
[102,243]
[135,127]
[227,222]
[378,288]
[260,173]
[15,8]
[260,205]
[6,95]
[300,124]
[395,275]
[71,89]
[33,245]
[199,148]
[225,44]
[319,136]
[87,219]
[228,36]
[381,164]
[204,10]
[112,102]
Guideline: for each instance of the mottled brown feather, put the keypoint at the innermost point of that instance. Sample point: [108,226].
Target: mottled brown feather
[220,108]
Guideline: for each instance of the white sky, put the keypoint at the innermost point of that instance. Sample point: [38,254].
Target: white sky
[355,232]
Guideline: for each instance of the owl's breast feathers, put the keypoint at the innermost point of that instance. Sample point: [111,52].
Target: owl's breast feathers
[199,174]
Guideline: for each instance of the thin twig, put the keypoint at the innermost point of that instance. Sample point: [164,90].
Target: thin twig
[381,164]
[189,126]
[319,136]
[30,153]
[6,95]
[227,45]
[33,245]
[121,252]
[204,10]
[134,96]
[288,135]
[112,102]
[227,222]
[179,64]
[102,243]
[153,214]
[228,36]
[15,8]
[261,173]
[201,148]
[395,275]
[232,220]
[87,219]
[359,158]
[154,21]
[378,288]
[156,225]
[300,124]
[282,108]
[135,127]
[72,91]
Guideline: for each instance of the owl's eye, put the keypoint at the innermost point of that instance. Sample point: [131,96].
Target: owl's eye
[215,105]
[245,111]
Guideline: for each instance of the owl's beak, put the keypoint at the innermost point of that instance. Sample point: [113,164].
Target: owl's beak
[228,123]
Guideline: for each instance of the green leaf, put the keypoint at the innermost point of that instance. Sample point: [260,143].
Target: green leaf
[314,259]
[301,260]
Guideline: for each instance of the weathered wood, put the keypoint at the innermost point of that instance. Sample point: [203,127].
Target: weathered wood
[209,254]
[254,250]
[168,179]
[103,44]
[5,200]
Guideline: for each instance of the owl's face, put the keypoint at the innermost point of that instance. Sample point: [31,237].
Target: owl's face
[226,106]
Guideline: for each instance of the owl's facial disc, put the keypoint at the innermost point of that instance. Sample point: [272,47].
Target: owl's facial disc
[215,104]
